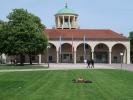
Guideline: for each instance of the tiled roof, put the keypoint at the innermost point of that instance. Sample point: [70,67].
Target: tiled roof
[91,34]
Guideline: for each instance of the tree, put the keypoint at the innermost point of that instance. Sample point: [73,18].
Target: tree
[1,28]
[131,42]
[24,34]
[1,34]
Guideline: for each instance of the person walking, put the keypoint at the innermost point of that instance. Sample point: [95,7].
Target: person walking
[92,63]
[88,63]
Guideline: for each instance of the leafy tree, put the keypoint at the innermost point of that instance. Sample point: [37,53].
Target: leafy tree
[24,34]
[2,30]
[131,42]
[1,27]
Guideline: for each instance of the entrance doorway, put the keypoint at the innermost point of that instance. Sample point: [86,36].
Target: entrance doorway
[66,58]
[101,53]
[101,57]
[66,53]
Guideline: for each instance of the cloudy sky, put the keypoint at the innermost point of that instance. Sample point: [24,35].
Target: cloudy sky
[93,14]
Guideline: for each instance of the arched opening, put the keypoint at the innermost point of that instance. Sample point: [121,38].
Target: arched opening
[116,50]
[50,54]
[101,53]
[66,53]
[83,52]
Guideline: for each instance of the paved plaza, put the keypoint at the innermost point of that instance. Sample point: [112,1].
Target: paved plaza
[63,66]
[79,66]
[97,66]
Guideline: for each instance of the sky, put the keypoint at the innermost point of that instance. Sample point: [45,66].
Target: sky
[116,15]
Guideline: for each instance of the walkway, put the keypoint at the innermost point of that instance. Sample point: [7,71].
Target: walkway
[76,66]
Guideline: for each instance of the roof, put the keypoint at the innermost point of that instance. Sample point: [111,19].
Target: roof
[66,11]
[91,34]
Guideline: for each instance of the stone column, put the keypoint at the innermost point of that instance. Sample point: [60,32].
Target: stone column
[40,58]
[110,56]
[57,56]
[63,22]
[75,56]
[128,55]
[125,57]
[69,22]
[58,22]
[74,22]
[92,55]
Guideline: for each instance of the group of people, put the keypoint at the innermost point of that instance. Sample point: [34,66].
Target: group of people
[90,63]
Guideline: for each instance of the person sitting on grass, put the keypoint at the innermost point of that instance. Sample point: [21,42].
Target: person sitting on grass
[81,80]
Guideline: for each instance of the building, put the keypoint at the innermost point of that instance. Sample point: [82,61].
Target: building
[70,44]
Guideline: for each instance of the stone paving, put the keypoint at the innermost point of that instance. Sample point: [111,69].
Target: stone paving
[123,66]
[76,66]
[79,66]
[97,66]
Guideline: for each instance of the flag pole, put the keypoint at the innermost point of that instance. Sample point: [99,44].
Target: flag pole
[84,49]
[60,49]
[72,50]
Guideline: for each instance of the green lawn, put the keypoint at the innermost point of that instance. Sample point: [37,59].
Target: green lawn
[57,85]
[4,67]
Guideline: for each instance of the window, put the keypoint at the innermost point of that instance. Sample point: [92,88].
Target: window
[81,58]
[115,59]
[50,58]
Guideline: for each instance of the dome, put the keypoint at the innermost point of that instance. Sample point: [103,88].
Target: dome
[66,11]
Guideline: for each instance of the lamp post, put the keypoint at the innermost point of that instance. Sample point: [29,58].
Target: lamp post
[121,55]
[48,55]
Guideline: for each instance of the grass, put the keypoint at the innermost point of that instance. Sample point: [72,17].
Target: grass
[57,85]
[4,67]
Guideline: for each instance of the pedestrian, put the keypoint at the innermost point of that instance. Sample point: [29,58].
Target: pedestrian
[88,63]
[11,61]
[92,63]
[15,62]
